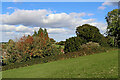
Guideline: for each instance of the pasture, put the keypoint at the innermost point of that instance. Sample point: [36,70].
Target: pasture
[102,65]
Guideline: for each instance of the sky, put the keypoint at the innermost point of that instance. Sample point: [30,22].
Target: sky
[59,18]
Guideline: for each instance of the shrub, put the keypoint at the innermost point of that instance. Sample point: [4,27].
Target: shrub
[73,44]
[60,43]
[92,47]
[86,49]
[52,40]
[37,45]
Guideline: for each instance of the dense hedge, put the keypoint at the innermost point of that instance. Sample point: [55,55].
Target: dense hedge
[73,44]
[86,49]
[85,33]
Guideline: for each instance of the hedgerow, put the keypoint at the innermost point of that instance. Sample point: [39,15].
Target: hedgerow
[86,49]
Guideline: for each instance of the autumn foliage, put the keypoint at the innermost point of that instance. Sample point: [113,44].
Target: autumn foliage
[37,45]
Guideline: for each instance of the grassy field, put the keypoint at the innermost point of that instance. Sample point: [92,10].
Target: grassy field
[102,65]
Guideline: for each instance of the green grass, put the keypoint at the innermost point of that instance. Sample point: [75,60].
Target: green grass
[58,46]
[102,65]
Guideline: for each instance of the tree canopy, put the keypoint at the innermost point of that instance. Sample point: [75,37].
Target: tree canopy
[88,32]
[113,28]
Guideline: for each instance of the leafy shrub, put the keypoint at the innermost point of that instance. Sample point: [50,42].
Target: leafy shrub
[86,49]
[52,40]
[60,43]
[73,44]
[27,47]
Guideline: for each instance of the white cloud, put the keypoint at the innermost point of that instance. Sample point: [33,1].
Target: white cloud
[101,7]
[9,7]
[7,28]
[13,28]
[60,31]
[106,3]
[25,17]
[101,26]
[43,18]
[22,28]
[12,8]
[59,25]
[90,14]
[15,0]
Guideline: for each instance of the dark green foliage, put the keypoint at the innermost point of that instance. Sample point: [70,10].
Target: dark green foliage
[113,28]
[40,31]
[87,49]
[73,44]
[35,33]
[103,41]
[110,41]
[91,33]
[61,43]
[88,32]
[85,33]
[52,40]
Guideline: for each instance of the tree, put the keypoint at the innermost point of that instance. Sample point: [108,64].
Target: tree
[73,44]
[113,28]
[45,32]
[52,40]
[88,32]
[35,33]
[91,33]
[61,43]
[40,31]
[11,46]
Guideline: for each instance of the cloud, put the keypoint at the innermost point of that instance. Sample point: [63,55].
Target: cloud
[106,3]
[13,32]
[59,25]
[20,28]
[90,14]
[9,7]
[43,18]
[101,26]
[101,7]
[15,0]
[12,8]
[7,28]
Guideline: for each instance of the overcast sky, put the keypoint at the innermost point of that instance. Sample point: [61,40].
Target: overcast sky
[60,18]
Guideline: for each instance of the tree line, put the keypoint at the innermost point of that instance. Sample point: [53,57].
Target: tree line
[39,45]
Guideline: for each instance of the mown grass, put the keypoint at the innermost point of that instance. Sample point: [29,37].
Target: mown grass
[102,65]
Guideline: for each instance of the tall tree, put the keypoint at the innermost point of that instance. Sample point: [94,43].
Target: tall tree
[40,31]
[35,33]
[91,33]
[113,28]
[88,32]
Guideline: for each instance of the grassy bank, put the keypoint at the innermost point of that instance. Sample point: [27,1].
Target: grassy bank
[91,66]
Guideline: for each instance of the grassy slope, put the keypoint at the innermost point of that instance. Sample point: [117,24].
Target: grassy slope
[97,65]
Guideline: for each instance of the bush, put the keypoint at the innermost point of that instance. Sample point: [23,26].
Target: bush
[73,44]
[37,45]
[60,43]
[86,49]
